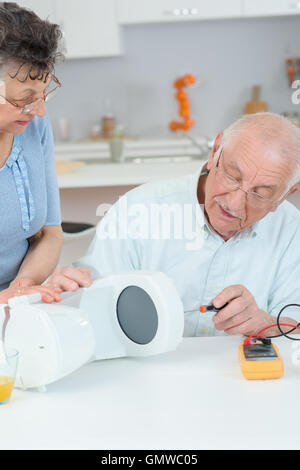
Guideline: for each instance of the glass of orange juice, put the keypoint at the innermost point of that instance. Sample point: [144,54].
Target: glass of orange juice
[8,370]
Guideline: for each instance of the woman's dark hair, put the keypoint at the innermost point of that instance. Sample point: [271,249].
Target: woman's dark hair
[27,41]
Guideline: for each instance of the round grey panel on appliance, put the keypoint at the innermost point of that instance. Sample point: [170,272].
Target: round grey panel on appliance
[137,315]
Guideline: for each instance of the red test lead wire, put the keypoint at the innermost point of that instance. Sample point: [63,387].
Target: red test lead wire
[206,308]
[248,339]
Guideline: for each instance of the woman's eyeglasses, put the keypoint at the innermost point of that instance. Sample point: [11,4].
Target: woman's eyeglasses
[27,108]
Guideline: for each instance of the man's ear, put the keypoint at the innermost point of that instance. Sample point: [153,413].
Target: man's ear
[293,190]
[216,145]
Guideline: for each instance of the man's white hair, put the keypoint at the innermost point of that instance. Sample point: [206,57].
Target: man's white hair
[270,128]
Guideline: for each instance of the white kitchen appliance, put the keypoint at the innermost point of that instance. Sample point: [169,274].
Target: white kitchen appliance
[136,313]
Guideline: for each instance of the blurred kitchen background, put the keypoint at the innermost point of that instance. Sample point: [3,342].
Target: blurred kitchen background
[111,118]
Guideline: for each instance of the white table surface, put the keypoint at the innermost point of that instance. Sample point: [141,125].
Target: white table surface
[192,398]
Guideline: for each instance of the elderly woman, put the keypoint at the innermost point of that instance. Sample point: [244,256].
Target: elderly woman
[30,235]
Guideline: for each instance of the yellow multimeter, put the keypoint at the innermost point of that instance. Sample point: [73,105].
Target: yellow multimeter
[260,361]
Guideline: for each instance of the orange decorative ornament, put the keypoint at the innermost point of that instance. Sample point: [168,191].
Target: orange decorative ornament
[184,104]
[181,95]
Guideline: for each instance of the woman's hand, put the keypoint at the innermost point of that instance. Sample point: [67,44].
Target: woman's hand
[48,294]
[22,282]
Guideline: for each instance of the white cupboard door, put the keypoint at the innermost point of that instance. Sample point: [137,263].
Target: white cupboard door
[44,9]
[90,27]
[271,7]
[154,11]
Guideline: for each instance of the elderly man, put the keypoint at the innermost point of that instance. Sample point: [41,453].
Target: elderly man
[247,253]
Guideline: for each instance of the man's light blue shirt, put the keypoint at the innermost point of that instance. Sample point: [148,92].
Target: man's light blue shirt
[264,258]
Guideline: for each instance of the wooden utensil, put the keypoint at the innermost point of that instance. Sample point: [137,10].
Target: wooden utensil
[255,105]
[63,167]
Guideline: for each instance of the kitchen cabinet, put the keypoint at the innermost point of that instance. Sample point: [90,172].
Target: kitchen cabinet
[271,7]
[154,11]
[44,9]
[90,28]
[159,11]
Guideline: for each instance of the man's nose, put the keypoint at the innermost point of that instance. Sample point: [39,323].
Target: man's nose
[237,201]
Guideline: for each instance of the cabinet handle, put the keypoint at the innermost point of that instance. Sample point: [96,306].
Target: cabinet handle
[175,12]
[184,11]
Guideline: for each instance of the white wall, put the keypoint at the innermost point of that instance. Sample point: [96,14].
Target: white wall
[228,57]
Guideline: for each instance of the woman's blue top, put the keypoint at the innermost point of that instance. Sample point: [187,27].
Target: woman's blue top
[29,196]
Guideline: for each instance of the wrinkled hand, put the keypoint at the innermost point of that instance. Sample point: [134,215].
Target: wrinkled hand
[48,294]
[22,282]
[70,279]
[241,315]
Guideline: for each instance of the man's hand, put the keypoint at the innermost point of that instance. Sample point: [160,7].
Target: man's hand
[241,315]
[48,294]
[70,279]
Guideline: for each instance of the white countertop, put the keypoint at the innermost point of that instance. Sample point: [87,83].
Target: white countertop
[125,174]
[159,159]
[192,398]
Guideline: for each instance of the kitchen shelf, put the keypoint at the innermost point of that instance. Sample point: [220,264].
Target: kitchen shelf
[134,148]
[125,174]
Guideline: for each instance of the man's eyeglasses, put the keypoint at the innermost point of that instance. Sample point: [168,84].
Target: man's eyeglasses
[229,183]
[51,91]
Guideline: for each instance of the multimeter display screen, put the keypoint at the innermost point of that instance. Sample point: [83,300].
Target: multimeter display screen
[260,352]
